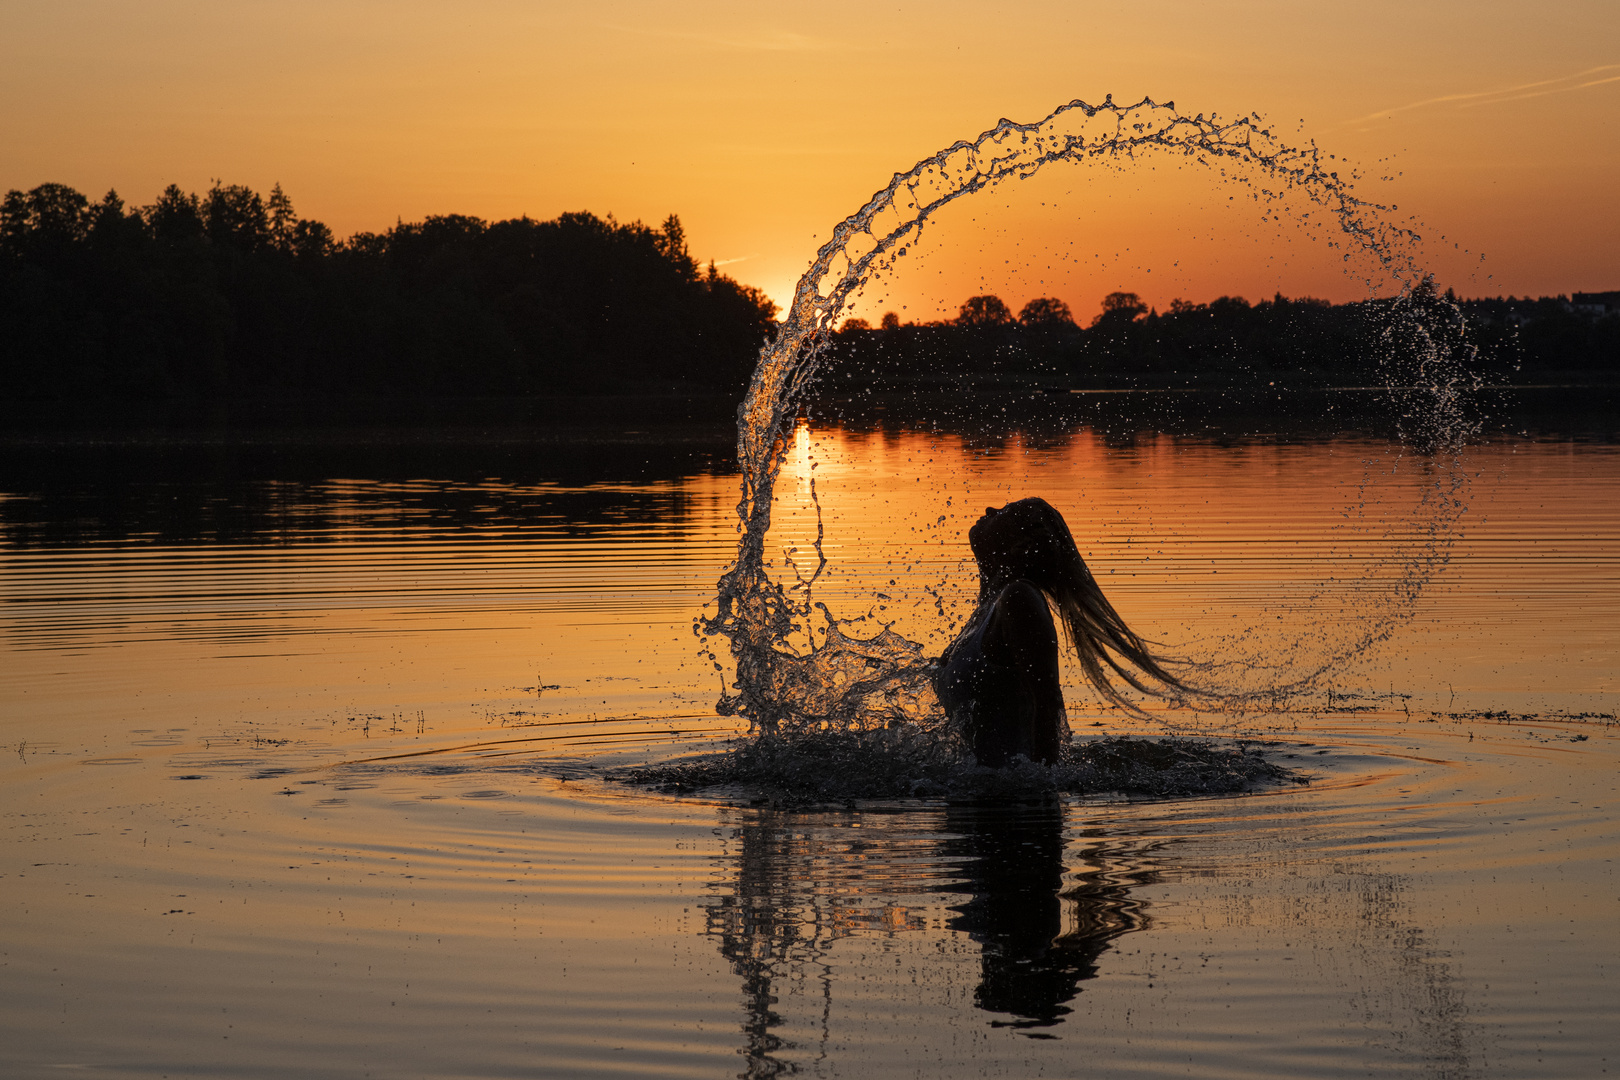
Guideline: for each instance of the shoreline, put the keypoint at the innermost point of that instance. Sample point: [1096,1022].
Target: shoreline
[1581,410]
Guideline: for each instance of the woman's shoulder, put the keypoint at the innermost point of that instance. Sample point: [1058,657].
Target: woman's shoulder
[1019,595]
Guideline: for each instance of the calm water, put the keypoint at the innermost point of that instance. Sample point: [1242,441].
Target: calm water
[301,750]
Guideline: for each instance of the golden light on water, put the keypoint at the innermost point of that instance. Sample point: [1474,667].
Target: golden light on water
[330,794]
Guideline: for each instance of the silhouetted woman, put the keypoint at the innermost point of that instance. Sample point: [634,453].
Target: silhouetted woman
[999,679]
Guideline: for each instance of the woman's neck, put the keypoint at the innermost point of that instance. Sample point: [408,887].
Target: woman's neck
[993,580]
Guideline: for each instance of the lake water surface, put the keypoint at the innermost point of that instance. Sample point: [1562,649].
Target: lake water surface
[303,742]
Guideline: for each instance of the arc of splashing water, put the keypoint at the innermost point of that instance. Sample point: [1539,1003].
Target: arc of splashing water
[754,612]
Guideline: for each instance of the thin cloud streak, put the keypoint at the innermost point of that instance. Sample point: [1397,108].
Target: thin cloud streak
[1544,93]
[1540,88]
[782,41]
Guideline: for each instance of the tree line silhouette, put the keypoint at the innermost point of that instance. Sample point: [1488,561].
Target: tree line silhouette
[230,295]
[1227,343]
[233,295]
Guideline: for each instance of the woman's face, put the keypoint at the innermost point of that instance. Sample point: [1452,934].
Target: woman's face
[1010,537]
[979,535]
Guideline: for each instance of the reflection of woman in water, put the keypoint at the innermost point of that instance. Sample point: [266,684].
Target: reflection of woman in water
[999,679]
[1043,910]
[1039,938]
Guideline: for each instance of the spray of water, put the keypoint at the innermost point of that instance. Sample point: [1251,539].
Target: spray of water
[847,683]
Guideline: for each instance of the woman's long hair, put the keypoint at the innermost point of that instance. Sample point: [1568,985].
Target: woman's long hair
[1046,556]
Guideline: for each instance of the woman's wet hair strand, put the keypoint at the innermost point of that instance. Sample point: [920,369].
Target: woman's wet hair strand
[1099,636]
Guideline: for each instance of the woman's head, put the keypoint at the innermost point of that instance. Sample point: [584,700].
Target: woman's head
[1028,540]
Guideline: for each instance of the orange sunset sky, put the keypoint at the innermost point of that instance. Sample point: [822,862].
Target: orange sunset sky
[762,125]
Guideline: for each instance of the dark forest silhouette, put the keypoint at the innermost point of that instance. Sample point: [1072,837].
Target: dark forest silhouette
[231,295]
[1228,343]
